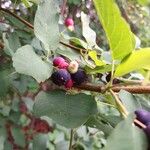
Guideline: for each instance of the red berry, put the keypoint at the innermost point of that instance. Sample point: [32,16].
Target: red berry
[60,63]
[69,22]
[69,84]
[58,60]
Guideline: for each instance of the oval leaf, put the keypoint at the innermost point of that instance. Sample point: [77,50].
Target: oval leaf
[126,137]
[119,35]
[46,24]
[27,62]
[87,32]
[70,111]
[137,60]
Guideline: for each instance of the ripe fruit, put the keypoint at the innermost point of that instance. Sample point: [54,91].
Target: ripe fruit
[115,81]
[108,77]
[69,84]
[79,77]
[73,67]
[147,131]
[143,116]
[60,63]
[60,77]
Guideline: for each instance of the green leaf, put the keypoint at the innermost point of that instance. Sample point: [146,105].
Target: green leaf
[137,60]
[87,32]
[35,1]
[26,3]
[27,62]
[46,24]
[75,2]
[40,142]
[97,122]
[126,137]
[70,111]
[99,69]
[18,137]
[62,145]
[4,81]
[119,35]
[93,55]
[78,42]
[129,101]
[143,2]
[68,53]
[11,43]
[7,146]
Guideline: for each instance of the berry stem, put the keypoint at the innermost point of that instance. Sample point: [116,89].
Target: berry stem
[129,81]
[140,123]
[121,107]
[63,7]
[71,139]
[135,89]
[32,27]
[112,73]
[73,47]
[1,45]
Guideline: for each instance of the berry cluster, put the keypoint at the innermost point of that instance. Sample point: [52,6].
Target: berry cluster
[67,74]
[144,117]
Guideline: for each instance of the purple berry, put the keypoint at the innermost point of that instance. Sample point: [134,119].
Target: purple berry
[69,22]
[60,77]
[143,116]
[147,131]
[79,77]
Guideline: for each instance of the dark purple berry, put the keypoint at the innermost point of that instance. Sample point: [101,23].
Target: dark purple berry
[108,77]
[79,77]
[143,116]
[60,77]
[115,81]
[147,131]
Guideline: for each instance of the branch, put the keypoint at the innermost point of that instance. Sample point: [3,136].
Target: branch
[124,111]
[71,139]
[32,27]
[17,17]
[73,47]
[135,89]
[121,107]
[63,7]
[1,45]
